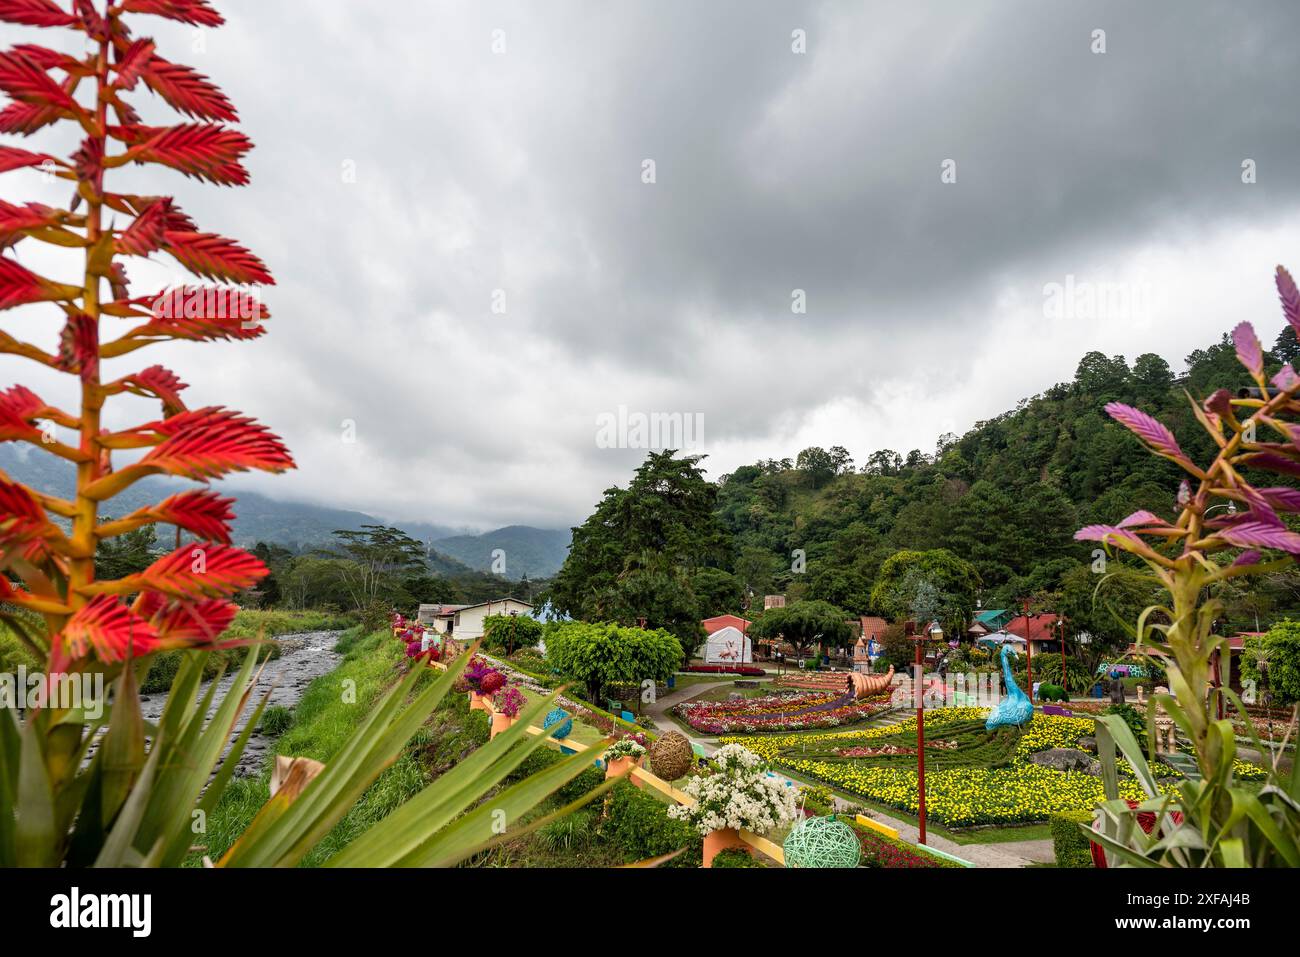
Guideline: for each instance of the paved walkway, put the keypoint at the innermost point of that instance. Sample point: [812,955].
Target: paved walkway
[659,711]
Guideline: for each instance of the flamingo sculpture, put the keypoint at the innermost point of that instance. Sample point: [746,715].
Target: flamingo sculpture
[1015,707]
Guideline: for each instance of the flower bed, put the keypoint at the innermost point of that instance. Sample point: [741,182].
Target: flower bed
[957,796]
[879,851]
[820,681]
[747,671]
[778,713]
[767,704]
[987,780]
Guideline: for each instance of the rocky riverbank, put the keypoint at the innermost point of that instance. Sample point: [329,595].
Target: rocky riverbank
[302,658]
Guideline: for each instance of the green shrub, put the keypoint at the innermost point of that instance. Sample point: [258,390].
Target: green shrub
[1134,718]
[584,783]
[505,633]
[639,825]
[1051,692]
[570,833]
[1068,839]
[539,760]
[735,857]
[276,720]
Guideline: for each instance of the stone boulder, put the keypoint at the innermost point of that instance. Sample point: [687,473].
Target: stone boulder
[1067,759]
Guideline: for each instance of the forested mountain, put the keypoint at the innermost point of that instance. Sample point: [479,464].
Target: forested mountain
[524,551]
[1006,498]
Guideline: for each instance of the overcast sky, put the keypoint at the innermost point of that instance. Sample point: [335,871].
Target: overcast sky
[418,163]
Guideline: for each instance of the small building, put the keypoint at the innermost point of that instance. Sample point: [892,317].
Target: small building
[727,646]
[466,621]
[872,628]
[773,601]
[1038,630]
[988,621]
[719,622]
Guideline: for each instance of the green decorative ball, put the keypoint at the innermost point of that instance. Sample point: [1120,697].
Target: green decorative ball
[822,842]
[671,756]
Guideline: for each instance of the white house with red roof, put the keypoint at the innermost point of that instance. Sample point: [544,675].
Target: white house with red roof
[718,622]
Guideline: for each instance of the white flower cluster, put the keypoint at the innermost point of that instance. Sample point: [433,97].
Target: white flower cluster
[625,748]
[741,795]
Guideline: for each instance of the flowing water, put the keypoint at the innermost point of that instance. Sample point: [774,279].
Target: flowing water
[302,658]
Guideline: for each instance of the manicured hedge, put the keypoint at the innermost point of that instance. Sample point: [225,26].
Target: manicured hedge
[1068,839]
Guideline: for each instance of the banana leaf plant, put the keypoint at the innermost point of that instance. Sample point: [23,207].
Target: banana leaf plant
[137,798]
[1209,818]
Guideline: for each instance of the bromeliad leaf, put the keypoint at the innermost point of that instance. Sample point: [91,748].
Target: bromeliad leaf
[1149,429]
[1262,535]
[1249,352]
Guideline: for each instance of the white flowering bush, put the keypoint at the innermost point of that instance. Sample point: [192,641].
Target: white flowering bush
[740,794]
[623,748]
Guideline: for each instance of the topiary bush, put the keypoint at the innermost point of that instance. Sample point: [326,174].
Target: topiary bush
[1051,692]
[1069,841]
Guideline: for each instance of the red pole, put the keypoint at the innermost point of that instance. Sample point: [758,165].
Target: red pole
[1065,675]
[1029,651]
[920,738]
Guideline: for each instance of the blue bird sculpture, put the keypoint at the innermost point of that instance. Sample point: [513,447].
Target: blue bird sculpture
[1015,706]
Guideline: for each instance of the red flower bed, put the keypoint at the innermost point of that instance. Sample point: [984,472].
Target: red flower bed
[747,671]
[880,851]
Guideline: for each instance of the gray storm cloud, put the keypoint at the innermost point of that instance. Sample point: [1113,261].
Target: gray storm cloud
[406,172]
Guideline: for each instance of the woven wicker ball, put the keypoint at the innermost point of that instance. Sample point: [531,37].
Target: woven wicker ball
[822,842]
[561,717]
[671,756]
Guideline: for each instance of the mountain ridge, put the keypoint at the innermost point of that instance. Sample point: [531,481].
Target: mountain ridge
[302,526]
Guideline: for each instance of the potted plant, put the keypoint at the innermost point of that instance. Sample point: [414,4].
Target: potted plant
[739,795]
[506,706]
[484,681]
[624,755]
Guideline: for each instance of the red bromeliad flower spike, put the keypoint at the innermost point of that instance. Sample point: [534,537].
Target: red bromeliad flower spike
[47,543]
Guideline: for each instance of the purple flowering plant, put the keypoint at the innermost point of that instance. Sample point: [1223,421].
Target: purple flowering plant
[1256,431]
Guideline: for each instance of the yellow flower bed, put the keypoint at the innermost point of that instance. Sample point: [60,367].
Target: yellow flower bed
[959,797]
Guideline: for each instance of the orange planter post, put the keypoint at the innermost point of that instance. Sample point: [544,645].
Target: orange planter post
[500,721]
[479,702]
[721,840]
[623,766]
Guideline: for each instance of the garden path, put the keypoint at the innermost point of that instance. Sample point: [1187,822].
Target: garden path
[659,711]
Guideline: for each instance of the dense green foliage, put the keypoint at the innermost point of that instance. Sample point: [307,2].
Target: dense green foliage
[508,633]
[927,586]
[1273,662]
[641,552]
[990,515]
[638,823]
[1069,841]
[602,654]
[804,624]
